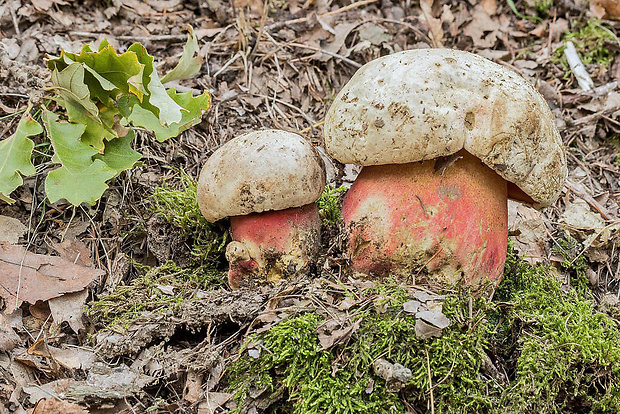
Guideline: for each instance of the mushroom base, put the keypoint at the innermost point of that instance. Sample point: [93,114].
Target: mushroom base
[432,222]
[272,245]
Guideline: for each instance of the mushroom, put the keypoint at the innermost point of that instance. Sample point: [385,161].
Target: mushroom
[444,137]
[267,182]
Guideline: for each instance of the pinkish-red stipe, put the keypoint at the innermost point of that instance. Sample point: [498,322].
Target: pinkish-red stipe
[281,242]
[412,221]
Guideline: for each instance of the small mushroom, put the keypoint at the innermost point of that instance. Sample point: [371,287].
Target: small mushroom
[267,182]
[445,137]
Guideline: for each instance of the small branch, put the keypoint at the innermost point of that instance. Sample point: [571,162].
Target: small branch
[332,54]
[154,38]
[352,6]
[577,67]
[430,382]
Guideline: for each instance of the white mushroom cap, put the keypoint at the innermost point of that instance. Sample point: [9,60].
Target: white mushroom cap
[422,104]
[260,171]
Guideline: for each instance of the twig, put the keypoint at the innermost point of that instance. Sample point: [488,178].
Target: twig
[174,38]
[306,116]
[581,193]
[594,117]
[430,382]
[352,6]
[336,55]
[577,67]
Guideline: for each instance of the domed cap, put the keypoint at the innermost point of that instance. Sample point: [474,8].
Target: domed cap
[260,171]
[422,104]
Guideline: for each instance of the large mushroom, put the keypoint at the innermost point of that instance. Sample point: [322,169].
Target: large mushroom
[444,137]
[267,182]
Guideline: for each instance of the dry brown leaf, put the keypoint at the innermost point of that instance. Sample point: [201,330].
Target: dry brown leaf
[213,401]
[435,32]
[605,9]
[69,308]
[482,29]
[11,229]
[329,337]
[342,31]
[8,338]
[193,386]
[54,406]
[76,251]
[527,230]
[29,277]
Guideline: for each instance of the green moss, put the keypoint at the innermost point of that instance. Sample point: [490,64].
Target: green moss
[342,380]
[559,354]
[179,208]
[542,7]
[563,356]
[329,205]
[147,293]
[574,262]
[589,41]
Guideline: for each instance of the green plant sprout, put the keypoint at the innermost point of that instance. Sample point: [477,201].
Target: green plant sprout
[329,204]
[589,41]
[101,98]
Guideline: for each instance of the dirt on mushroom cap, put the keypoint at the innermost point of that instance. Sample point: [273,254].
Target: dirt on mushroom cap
[422,104]
[260,171]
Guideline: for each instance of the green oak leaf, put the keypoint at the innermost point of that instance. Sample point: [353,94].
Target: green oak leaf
[119,155]
[193,106]
[190,61]
[108,73]
[80,179]
[15,156]
[168,111]
[74,95]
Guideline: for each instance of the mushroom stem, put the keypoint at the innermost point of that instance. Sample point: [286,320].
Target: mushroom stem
[272,244]
[436,221]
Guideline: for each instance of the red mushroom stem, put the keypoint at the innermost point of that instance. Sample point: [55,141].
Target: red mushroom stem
[278,243]
[443,226]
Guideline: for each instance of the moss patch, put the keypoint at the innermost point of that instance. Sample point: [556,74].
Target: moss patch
[329,205]
[160,289]
[537,346]
[589,41]
[176,203]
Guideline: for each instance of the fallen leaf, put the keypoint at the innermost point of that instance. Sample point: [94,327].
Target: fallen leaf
[193,386]
[29,277]
[375,34]
[213,401]
[69,308]
[605,9]
[74,251]
[435,318]
[424,330]
[8,338]
[482,29]
[11,229]
[328,337]
[527,230]
[54,406]
[435,32]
